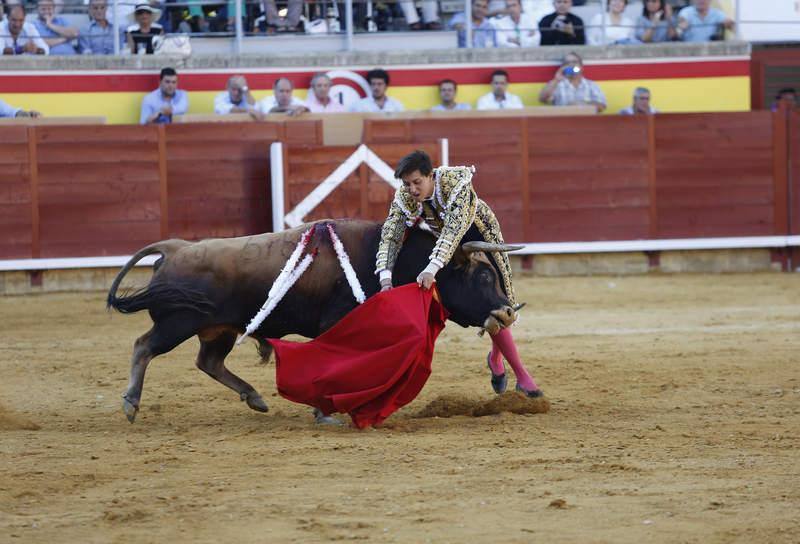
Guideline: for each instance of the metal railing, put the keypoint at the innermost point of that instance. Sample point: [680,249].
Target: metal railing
[241,19]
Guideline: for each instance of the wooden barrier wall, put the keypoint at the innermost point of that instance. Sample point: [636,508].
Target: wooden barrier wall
[363,194]
[75,191]
[108,190]
[620,178]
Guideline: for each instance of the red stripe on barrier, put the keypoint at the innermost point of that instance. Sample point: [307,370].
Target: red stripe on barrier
[143,82]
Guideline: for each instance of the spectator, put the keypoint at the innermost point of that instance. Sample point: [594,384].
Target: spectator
[517,28]
[379,102]
[19,37]
[562,27]
[619,28]
[98,37]
[641,103]
[702,23]
[657,23]
[140,36]
[9,111]
[166,101]
[282,100]
[785,98]
[483,34]
[570,88]
[499,98]
[236,99]
[447,93]
[274,22]
[55,31]
[430,15]
[319,96]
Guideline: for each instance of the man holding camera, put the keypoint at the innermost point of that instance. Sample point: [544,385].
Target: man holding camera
[570,88]
[562,27]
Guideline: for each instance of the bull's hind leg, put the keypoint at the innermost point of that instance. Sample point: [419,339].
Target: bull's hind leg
[211,360]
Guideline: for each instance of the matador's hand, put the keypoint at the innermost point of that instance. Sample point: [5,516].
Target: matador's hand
[425,280]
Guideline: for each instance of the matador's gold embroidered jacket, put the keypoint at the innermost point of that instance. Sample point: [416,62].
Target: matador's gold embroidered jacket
[449,213]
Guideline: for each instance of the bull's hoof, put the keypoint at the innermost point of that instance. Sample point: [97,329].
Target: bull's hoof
[533,394]
[130,409]
[322,419]
[499,381]
[255,402]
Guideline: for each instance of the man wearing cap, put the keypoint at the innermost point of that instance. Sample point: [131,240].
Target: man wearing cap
[10,111]
[160,105]
[236,99]
[140,35]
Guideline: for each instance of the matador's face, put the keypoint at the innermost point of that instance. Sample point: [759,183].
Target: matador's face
[420,186]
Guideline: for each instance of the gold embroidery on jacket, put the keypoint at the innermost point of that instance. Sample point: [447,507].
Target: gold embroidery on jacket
[453,208]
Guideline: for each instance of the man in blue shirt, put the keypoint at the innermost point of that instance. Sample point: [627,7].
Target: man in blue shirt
[166,101]
[702,23]
[447,92]
[483,34]
[98,37]
[9,111]
[55,31]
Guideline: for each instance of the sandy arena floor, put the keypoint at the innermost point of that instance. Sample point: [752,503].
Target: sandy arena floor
[675,418]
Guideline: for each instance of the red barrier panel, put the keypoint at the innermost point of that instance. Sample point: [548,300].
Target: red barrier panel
[589,179]
[98,189]
[794,171]
[16,206]
[715,175]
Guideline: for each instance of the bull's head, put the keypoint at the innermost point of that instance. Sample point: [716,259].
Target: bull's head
[471,288]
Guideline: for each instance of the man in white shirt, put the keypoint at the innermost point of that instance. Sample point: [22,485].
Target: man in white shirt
[447,92]
[282,100]
[377,103]
[499,98]
[319,96]
[236,99]
[19,37]
[516,28]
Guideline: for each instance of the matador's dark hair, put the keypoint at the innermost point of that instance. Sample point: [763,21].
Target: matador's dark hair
[416,160]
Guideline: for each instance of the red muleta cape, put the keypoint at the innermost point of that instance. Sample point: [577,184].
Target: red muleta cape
[371,363]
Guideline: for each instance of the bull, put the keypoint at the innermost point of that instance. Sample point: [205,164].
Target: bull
[213,288]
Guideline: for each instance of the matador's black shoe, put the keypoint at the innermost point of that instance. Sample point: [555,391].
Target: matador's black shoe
[534,394]
[499,381]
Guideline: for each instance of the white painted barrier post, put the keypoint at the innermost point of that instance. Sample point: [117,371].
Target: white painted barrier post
[276,185]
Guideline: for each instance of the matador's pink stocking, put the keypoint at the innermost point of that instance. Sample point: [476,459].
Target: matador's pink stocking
[504,343]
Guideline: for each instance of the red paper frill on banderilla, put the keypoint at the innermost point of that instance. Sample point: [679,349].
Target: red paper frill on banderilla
[370,364]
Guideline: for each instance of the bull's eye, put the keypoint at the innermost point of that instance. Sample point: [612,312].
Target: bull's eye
[485,278]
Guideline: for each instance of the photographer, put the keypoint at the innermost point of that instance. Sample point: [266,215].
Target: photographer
[570,88]
[562,27]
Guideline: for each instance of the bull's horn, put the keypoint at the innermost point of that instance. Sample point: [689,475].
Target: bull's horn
[472,247]
[519,306]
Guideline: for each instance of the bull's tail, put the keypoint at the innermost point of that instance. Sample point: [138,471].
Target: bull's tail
[167,296]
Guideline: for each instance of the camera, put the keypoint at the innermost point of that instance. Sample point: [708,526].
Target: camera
[571,71]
